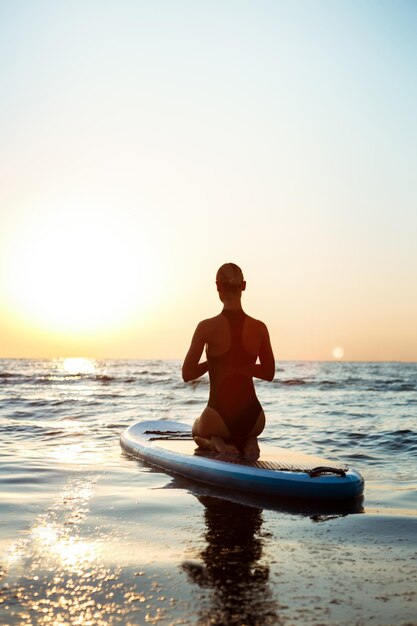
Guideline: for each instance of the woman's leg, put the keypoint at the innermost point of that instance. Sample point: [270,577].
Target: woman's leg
[210,432]
[251,448]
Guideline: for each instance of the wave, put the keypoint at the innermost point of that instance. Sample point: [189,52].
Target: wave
[70,379]
[293,382]
[401,440]
[363,384]
[398,439]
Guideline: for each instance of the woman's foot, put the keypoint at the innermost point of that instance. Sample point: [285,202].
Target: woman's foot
[216,444]
[251,450]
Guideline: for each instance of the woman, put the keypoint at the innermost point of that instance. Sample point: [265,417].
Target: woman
[233,417]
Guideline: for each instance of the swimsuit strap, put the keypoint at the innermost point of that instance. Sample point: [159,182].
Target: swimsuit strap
[237,352]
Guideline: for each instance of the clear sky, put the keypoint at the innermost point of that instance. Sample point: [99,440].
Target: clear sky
[145,143]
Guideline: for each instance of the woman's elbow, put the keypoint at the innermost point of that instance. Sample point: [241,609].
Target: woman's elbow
[186,374]
[270,373]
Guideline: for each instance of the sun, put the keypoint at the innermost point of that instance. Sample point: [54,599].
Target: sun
[78,272]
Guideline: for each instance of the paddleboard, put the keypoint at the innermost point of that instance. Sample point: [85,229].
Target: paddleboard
[278,472]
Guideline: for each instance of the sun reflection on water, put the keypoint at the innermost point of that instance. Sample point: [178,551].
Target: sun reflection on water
[79,365]
[71,552]
[57,573]
[63,572]
[74,454]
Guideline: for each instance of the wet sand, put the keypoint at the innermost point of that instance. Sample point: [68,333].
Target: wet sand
[133,546]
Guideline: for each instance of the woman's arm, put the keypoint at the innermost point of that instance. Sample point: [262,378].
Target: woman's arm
[192,368]
[265,369]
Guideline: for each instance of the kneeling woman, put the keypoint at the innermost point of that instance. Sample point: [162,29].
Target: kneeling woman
[233,417]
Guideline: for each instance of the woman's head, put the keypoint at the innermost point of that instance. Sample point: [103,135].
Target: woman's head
[229,278]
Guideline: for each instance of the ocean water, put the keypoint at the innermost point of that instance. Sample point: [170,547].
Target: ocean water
[89,535]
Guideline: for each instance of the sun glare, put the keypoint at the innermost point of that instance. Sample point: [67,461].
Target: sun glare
[338,353]
[78,365]
[72,273]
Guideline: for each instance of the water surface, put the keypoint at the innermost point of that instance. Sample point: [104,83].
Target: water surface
[89,535]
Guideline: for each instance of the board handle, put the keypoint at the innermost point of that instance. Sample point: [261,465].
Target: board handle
[325,469]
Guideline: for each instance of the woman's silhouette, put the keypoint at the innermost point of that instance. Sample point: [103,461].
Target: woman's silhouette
[238,349]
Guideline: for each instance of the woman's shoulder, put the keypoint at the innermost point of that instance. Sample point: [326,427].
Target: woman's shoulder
[210,323]
[256,325]
[254,321]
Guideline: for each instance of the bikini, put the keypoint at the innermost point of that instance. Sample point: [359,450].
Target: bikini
[232,394]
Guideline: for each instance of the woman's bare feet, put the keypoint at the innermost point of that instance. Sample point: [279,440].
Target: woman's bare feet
[251,450]
[224,448]
[216,444]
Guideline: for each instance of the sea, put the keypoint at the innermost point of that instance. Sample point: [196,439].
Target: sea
[91,536]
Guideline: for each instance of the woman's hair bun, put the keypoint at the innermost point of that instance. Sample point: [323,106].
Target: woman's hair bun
[230,277]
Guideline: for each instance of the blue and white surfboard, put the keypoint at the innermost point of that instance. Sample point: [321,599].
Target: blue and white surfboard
[278,472]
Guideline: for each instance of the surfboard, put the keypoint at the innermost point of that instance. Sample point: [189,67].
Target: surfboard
[279,472]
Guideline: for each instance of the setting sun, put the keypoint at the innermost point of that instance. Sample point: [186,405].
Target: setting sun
[73,272]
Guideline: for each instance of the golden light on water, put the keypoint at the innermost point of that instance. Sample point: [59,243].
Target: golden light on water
[61,573]
[61,579]
[79,365]
[76,454]
[71,551]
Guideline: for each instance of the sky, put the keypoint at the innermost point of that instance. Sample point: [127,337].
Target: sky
[143,144]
